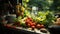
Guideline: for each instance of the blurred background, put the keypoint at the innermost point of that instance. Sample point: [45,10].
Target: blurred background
[53,5]
[43,12]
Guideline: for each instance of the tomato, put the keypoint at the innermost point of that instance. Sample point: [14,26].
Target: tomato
[38,25]
[33,26]
[34,23]
[42,26]
[28,21]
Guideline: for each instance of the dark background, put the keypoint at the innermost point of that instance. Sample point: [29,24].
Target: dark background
[5,6]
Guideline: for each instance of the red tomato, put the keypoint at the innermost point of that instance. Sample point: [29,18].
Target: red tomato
[30,18]
[33,26]
[30,22]
[34,23]
[27,21]
[38,25]
[42,26]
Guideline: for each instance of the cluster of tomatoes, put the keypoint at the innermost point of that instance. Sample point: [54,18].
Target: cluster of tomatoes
[32,24]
